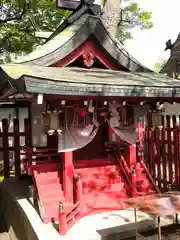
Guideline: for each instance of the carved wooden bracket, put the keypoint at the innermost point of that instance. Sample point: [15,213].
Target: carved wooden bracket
[88,59]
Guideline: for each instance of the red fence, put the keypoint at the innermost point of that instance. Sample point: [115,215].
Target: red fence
[6,148]
[162,147]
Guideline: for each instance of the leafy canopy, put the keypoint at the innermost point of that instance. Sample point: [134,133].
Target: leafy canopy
[133,16]
[19,19]
[158,65]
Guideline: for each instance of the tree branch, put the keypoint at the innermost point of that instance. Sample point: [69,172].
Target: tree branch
[3,41]
[17,17]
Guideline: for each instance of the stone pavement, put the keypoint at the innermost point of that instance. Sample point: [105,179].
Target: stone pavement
[29,225]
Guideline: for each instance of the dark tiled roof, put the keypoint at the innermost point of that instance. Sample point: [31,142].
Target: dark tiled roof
[67,39]
[84,82]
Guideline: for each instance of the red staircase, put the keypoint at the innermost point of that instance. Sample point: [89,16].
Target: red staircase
[49,190]
[143,185]
[102,190]
[102,185]
[98,186]
[51,201]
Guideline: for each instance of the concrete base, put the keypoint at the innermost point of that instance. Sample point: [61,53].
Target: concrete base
[24,223]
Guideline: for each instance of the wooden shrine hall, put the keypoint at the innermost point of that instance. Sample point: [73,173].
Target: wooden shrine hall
[92,102]
[172,66]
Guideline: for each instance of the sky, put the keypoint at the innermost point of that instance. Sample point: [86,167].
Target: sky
[147,46]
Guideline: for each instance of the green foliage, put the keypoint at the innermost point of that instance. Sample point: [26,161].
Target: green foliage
[158,65]
[19,19]
[133,16]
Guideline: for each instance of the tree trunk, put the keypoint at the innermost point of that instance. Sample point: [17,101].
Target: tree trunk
[111,15]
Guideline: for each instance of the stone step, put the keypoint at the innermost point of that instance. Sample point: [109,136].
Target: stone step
[4,236]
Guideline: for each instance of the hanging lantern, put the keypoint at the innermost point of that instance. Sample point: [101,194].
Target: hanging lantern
[54,122]
[91,107]
[65,139]
[114,120]
[46,122]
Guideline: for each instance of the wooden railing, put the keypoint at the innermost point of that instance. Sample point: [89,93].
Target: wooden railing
[162,155]
[16,147]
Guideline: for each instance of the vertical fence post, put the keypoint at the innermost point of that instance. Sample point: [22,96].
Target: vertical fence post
[158,154]
[17,148]
[131,155]
[175,151]
[163,153]
[169,143]
[5,148]
[178,154]
[150,133]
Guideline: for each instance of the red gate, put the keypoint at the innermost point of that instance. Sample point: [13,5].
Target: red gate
[162,147]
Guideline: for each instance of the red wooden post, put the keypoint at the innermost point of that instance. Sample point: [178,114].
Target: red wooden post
[151,151]
[68,176]
[62,219]
[169,142]
[134,180]
[79,191]
[5,148]
[164,155]
[158,155]
[17,148]
[78,188]
[178,153]
[175,143]
[131,155]
[140,132]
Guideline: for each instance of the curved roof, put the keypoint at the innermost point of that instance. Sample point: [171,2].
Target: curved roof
[65,40]
[88,82]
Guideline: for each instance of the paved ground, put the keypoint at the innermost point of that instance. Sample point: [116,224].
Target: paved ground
[3,231]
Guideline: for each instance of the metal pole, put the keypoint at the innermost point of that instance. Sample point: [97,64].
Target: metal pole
[159,228]
[134,195]
[176,218]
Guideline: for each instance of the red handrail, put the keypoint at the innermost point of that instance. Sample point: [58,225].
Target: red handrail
[125,170]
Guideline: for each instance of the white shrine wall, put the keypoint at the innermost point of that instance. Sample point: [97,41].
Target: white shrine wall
[38,138]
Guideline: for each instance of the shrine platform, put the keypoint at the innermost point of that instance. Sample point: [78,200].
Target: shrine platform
[23,221]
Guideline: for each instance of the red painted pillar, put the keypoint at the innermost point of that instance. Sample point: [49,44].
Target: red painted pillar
[62,220]
[134,181]
[78,188]
[68,176]
[131,155]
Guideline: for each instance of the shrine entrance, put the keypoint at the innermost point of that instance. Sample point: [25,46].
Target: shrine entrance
[162,151]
